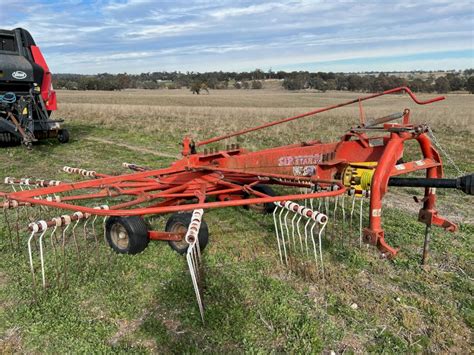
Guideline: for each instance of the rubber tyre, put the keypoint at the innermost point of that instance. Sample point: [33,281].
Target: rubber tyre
[179,222]
[265,208]
[63,136]
[136,231]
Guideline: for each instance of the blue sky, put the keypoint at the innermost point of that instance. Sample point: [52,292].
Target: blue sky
[136,36]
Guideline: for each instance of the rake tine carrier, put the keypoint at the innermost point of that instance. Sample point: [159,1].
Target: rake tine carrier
[313,219]
[303,185]
[41,228]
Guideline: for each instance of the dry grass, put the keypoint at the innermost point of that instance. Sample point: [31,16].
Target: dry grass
[155,112]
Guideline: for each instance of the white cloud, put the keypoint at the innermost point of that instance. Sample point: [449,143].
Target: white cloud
[144,35]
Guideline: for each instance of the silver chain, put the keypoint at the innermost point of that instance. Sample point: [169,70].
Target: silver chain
[444,152]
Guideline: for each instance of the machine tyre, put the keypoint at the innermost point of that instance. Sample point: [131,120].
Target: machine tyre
[63,136]
[179,222]
[263,208]
[127,235]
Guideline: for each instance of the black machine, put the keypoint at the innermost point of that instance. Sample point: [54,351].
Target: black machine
[27,97]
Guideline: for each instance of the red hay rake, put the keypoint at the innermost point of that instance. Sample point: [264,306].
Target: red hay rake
[333,181]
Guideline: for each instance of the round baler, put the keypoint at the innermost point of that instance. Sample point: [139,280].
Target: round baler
[27,98]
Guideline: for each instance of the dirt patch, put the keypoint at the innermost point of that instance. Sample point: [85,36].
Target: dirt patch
[10,342]
[128,327]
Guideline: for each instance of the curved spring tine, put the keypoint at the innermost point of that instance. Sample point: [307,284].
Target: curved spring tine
[314,244]
[299,232]
[343,216]
[64,252]
[43,274]
[104,229]
[306,236]
[287,230]
[293,228]
[52,237]
[276,232]
[30,254]
[73,231]
[352,209]
[85,230]
[321,246]
[195,284]
[283,235]
[95,235]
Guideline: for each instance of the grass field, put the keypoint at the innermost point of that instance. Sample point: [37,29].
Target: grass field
[145,303]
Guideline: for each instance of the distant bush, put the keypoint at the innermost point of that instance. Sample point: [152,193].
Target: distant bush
[257,84]
[470,84]
[296,80]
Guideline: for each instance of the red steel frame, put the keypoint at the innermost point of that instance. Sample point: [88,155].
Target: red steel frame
[230,176]
[47,92]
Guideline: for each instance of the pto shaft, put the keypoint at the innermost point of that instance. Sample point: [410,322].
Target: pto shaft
[463,183]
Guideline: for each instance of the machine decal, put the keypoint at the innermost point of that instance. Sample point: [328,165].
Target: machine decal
[304,170]
[300,160]
[20,75]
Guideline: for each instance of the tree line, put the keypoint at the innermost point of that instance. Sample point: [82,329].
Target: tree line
[254,80]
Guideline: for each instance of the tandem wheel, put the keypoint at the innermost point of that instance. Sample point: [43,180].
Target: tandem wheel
[127,235]
[179,223]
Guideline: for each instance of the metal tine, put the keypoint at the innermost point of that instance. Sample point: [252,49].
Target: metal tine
[66,219]
[277,229]
[298,223]
[30,252]
[193,256]
[315,252]
[44,226]
[285,219]
[360,220]
[79,216]
[343,218]
[95,235]
[57,223]
[293,230]
[306,235]
[322,220]
[352,208]
[282,234]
